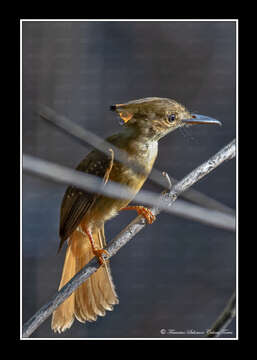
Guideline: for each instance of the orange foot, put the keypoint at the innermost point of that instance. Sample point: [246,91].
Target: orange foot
[99,254]
[141,210]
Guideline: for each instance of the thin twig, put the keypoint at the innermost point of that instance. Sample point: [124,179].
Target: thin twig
[169,183]
[225,318]
[85,136]
[228,152]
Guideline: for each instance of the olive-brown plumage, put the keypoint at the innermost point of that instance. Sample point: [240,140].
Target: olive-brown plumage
[83,214]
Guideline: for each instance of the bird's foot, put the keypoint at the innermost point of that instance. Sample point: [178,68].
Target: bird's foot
[99,254]
[145,212]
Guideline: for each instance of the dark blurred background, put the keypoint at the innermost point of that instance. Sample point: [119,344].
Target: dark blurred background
[175,274]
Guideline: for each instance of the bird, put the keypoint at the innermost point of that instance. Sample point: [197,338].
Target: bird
[83,214]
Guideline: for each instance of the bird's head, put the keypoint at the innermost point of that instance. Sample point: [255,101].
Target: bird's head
[155,117]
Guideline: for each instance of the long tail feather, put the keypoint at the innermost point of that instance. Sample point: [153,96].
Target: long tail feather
[93,297]
[63,316]
[97,294]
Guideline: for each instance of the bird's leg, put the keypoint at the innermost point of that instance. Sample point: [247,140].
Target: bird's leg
[141,210]
[145,212]
[97,252]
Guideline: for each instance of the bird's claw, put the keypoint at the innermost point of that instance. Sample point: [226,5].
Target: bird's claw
[99,254]
[146,213]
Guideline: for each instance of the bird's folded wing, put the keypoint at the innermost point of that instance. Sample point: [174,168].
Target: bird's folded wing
[76,202]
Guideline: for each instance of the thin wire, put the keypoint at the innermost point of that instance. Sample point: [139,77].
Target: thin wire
[88,182]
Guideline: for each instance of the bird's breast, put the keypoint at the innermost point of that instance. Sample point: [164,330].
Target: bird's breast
[143,155]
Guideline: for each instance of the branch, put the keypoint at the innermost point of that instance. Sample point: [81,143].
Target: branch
[228,152]
[224,319]
[85,136]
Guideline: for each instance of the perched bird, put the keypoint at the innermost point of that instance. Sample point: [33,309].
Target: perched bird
[82,217]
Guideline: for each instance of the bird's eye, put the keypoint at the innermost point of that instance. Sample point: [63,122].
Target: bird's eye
[171,117]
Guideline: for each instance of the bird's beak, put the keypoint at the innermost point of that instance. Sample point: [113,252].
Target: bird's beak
[201,119]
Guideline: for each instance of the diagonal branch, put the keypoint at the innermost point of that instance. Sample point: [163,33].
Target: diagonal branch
[220,325]
[228,152]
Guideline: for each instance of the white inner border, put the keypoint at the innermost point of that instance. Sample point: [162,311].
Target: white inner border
[126,20]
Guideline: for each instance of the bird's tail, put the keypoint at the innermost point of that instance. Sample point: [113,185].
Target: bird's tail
[96,295]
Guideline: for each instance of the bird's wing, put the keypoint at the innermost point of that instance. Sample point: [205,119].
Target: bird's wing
[76,202]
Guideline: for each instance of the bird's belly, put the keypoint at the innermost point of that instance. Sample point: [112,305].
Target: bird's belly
[105,207]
